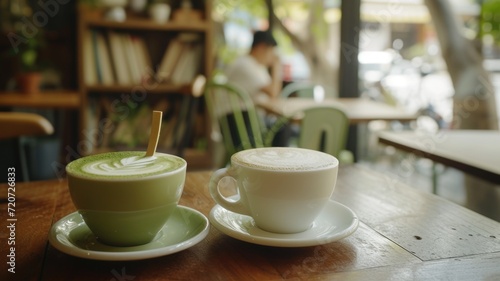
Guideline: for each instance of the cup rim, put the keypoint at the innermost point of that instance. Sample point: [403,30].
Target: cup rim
[333,165]
[125,178]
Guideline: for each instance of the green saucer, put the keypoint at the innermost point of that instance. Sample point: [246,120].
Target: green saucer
[185,228]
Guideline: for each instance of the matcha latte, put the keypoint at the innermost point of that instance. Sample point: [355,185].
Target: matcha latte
[124,164]
[124,197]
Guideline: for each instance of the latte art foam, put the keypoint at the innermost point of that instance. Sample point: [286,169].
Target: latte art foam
[134,165]
[284,159]
[124,164]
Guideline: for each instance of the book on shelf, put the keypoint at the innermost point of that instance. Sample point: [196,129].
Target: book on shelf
[89,66]
[169,60]
[143,57]
[188,65]
[122,58]
[96,56]
[103,61]
[181,60]
[118,55]
[132,59]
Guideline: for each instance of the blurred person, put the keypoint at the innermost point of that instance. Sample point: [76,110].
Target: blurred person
[259,74]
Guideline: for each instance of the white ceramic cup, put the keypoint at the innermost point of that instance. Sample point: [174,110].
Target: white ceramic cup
[282,188]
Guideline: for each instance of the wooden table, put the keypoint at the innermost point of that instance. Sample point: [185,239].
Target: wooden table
[359,110]
[476,152]
[404,234]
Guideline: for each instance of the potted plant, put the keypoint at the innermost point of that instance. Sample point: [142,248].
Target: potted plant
[29,77]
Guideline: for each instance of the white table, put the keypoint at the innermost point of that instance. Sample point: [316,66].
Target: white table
[358,110]
[476,152]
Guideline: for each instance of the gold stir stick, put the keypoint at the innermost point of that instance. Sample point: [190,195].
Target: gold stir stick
[155,133]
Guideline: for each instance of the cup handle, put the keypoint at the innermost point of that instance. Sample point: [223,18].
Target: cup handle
[213,187]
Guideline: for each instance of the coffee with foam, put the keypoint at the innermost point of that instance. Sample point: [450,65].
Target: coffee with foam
[284,159]
[124,165]
[282,188]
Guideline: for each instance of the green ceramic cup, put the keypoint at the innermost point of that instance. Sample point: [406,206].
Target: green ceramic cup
[124,197]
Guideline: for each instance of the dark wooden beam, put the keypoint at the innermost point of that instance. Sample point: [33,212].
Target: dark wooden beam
[350,28]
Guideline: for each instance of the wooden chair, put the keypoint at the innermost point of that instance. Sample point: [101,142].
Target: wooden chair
[325,129]
[19,125]
[233,115]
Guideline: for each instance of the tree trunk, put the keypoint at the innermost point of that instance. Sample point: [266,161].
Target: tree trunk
[474,105]
[311,46]
[270,8]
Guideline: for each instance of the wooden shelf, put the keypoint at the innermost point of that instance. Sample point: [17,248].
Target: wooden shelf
[147,24]
[46,99]
[159,89]
[95,18]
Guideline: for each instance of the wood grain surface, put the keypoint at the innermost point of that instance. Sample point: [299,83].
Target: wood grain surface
[404,234]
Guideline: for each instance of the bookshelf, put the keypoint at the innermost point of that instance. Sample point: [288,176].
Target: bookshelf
[122,75]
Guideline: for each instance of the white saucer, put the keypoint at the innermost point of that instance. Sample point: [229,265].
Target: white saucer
[185,228]
[335,222]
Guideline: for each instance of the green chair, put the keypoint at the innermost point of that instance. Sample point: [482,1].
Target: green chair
[306,90]
[325,129]
[233,115]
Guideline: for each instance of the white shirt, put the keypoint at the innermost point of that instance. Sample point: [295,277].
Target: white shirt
[249,75]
